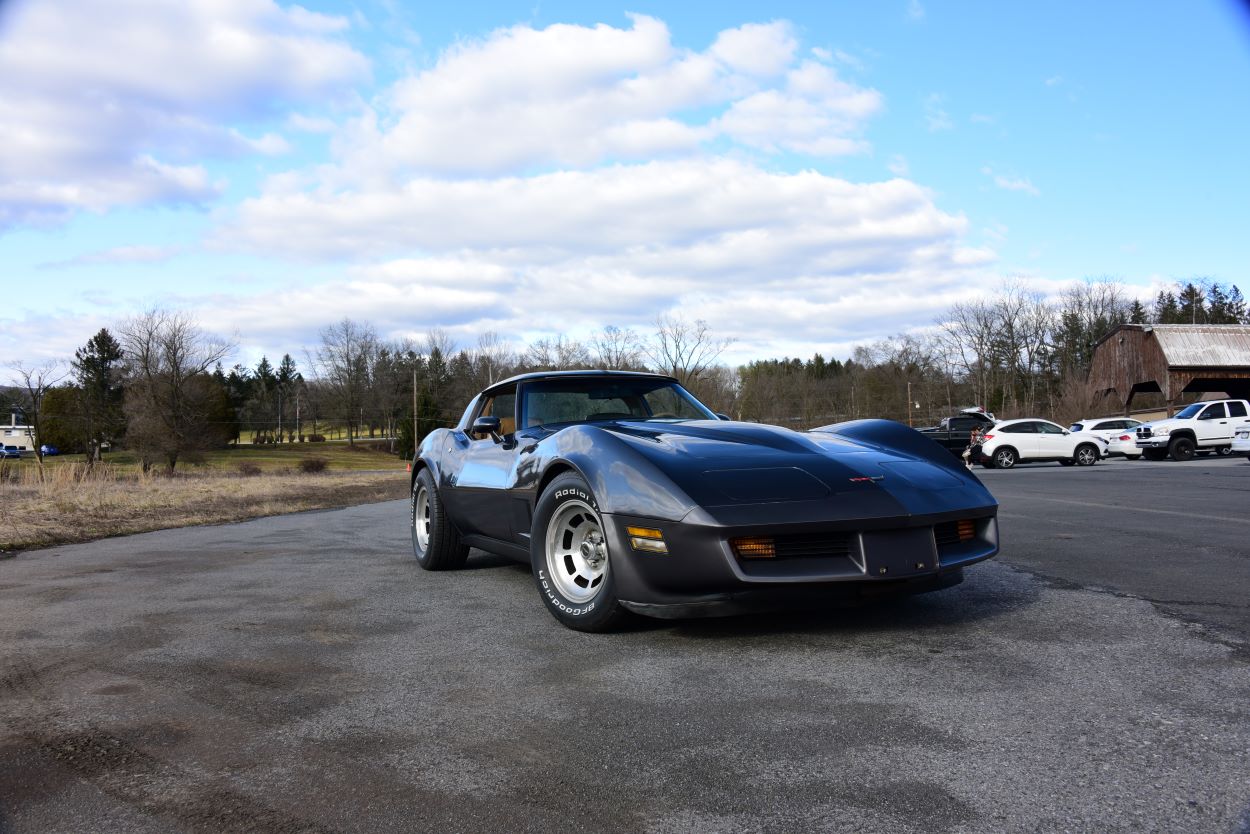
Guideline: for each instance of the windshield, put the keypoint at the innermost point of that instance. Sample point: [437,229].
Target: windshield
[586,400]
[1190,411]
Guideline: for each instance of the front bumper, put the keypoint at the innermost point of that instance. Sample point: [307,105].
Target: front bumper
[1154,442]
[701,574]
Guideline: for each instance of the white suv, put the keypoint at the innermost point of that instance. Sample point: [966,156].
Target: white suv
[1030,439]
[1117,431]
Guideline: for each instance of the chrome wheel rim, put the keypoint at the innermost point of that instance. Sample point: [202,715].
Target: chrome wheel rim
[1005,459]
[1086,456]
[421,518]
[577,554]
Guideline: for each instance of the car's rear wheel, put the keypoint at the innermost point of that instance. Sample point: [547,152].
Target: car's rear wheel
[1005,458]
[1224,451]
[435,542]
[1086,455]
[570,557]
[1181,448]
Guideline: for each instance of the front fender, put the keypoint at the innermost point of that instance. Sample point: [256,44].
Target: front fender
[623,480]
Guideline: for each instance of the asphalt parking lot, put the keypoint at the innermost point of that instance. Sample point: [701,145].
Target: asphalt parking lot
[300,673]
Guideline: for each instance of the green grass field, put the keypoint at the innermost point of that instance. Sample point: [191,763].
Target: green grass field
[270,458]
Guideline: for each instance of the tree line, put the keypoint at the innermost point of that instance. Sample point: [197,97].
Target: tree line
[159,385]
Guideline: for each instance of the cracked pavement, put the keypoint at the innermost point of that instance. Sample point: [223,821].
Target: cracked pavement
[301,673]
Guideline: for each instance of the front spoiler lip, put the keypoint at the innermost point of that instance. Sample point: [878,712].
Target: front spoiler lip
[793,598]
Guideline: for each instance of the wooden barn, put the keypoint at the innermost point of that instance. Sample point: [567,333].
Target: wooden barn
[1171,359]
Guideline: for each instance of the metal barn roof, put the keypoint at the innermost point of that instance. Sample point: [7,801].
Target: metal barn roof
[1203,345]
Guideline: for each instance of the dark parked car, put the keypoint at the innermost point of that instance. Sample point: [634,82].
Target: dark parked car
[952,433]
[626,495]
[49,451]
[10,452]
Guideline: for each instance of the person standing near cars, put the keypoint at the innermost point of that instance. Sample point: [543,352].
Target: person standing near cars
[973,453]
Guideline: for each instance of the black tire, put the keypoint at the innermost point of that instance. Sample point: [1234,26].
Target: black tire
[439,546]
[1224,451]
[1005,457]
[1181,449]
[1086,455]
[1154,454]
[568,503]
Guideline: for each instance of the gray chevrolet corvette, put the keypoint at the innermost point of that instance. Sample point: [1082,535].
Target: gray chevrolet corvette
[626,495]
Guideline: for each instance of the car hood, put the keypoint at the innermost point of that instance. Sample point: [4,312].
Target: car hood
[736,470]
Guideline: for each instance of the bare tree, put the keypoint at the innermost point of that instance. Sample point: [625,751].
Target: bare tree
[493,356]
[37,381]
[557,353]
[685,349]
[174,407]
[616,349]
[343,362]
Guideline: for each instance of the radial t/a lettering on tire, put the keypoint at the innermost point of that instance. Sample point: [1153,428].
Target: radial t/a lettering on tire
[570,557]
[435,542]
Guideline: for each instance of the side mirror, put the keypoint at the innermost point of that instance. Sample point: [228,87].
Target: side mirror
[487,425]
[720,416]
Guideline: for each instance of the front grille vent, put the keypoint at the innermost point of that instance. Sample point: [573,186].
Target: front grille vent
[950,533]
[796,546]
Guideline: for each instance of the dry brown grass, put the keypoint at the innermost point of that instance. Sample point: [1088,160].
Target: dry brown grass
[71,503]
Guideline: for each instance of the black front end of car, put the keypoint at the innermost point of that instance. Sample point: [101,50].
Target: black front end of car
[710,568]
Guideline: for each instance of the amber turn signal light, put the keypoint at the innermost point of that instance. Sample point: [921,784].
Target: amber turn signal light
[646,539]
[967,529]
[754,547]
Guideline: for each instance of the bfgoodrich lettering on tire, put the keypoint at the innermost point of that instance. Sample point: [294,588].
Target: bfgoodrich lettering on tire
[435,543]
[570,558]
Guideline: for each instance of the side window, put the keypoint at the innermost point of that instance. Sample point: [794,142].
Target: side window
[501,404]
[1021,428]
[1047,428]
[1236,410]
[1214,412]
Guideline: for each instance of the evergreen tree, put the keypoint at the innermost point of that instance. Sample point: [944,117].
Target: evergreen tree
[285,382]
[1191,305]
[1166,310]
[98,372]
[1137,313]
[1237,313]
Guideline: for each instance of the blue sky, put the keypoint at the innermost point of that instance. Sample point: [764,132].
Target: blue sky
[805,177]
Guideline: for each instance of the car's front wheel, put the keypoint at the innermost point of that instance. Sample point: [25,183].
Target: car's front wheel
[1086,455]
[435,542]
[1181,448]
[571,559]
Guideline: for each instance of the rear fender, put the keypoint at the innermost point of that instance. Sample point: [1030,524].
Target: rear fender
[888,435]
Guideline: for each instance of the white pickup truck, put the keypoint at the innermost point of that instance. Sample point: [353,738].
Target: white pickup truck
[1200,428]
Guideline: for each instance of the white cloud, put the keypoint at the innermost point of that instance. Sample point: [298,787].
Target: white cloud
[935,116]
[756,49]
[577,96]
[1011,183]
[118,255]
[106,104]
[581,249]
[898,165]
[915,11]
[1054,81]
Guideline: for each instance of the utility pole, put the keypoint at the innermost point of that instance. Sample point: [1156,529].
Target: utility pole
[297,434]
[909,403]
[414,407]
